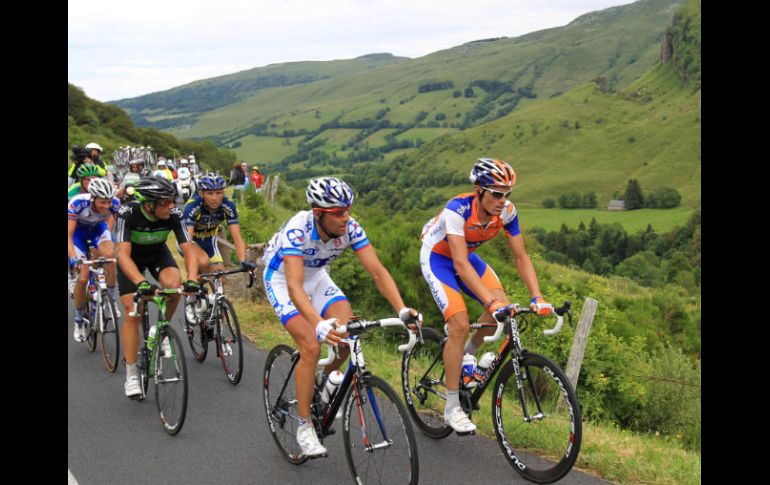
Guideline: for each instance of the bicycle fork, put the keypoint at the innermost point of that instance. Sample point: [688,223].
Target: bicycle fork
[360,402]
[525,376]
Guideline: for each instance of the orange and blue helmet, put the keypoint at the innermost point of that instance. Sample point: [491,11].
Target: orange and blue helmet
[490,171]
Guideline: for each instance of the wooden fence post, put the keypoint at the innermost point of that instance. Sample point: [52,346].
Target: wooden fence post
[580,340]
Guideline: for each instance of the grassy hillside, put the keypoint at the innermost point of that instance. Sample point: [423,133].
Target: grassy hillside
[620,43]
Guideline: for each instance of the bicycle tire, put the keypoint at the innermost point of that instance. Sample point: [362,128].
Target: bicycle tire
[108,333]
[229,330]
[199,343]
[549,457]
[278,373]
[425,407]
[170,374]
[383,418]
[90,326]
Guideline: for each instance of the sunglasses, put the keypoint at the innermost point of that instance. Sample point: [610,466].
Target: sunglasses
[165,203]
[497,194]
[336,212]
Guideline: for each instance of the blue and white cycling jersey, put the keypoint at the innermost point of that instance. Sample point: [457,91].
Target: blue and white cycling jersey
[299,237]
[79,209]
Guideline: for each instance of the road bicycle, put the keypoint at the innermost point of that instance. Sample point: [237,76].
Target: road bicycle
[379,441]
[216,321]
[100,318]
[534,406]
[161,358]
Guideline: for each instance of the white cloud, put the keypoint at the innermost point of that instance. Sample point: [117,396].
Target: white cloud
[118,50]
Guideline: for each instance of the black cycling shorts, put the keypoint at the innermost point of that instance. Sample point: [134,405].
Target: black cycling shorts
[156,263]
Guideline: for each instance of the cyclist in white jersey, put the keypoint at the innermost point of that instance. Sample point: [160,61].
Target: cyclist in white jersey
[303,295]
[90,220]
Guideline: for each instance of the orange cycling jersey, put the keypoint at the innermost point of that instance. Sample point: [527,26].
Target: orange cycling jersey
[460,217]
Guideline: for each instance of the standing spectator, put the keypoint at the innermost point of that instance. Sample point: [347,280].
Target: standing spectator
[256,178]
[95,154]
[237,180]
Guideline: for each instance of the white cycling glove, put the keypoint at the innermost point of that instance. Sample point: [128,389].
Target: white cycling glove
[323,328]
[405,314]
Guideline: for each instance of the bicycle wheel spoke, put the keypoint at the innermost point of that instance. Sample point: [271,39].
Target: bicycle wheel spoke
[230,343]
[171,381]
[280,402]
[109,335]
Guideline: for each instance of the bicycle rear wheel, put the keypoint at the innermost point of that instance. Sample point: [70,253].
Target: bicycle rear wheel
[422,382]
[379,440]
[170,381]
[551,428]
[199,342]
[89,323]
[108,332]
[229,343]
[281,408]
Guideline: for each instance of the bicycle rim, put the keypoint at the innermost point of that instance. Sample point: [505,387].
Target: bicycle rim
[379,440]
[90,327]
[281,413]
[423,386]
[108,335]
[199,343]
[170,381]
[546,446]
[229,343]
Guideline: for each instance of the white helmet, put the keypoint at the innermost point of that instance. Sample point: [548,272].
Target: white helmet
[102,188]
[93,145]
[329,192]
[161,163]
[183,162]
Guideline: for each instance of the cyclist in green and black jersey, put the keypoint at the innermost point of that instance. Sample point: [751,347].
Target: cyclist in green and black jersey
[142,229]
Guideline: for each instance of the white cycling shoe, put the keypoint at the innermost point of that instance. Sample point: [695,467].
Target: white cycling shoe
[308,442]
[458,420]
[80,333]
[133,388]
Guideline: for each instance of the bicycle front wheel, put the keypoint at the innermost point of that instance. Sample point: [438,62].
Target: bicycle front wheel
[170,380]
[423,384]
[199,342]
[543,418]
[229,342]
[379,440]
[108,332]
[280,399]
[90,324]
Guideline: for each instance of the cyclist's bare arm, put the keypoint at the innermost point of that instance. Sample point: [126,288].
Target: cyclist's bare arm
[127,264]
[381,276]
[523,264]
[191,231]
[111,222]
[240,246]
[71,226]
[294,268]
[459,249]
[190,261]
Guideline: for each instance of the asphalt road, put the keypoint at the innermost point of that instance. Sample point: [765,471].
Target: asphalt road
[225,439]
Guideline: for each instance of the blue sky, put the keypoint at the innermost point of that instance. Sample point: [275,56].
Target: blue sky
[120,50]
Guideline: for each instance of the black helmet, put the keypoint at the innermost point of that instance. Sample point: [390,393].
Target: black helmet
[79,153]
[154,188]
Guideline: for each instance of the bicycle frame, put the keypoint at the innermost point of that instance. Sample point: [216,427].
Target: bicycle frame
[162,304]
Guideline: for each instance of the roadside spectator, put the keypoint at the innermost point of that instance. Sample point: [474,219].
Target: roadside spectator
[256,178]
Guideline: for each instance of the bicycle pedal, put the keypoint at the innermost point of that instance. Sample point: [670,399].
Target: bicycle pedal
[466,433]
[323,455]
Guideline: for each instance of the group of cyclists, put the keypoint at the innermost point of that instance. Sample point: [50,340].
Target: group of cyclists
[309,304]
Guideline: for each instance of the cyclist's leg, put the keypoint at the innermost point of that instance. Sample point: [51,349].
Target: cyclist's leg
[201,258]
[129,334]
[79,240]
[492,283]
[438,271]
[214,257]
[167,273]
[331,302]
[106,248]
[303,334]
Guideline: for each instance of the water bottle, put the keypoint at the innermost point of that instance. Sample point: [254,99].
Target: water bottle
[151,337]
[469,363]
[332,383]
[481,369]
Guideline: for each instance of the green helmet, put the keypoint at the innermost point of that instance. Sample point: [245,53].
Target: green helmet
[87,170]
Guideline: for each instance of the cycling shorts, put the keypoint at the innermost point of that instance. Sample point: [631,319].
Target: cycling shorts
[445,283]
[97,235]
[323,293]
[155,262]
[209,246]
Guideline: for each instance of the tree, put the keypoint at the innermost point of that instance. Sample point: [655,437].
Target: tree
[664,198]
[633,196]
[549,203]
[469,92]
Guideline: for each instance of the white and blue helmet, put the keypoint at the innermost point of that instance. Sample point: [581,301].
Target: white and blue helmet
[329,192]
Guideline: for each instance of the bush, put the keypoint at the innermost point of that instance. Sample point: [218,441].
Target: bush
[549,203]
[664,198]
[569,201]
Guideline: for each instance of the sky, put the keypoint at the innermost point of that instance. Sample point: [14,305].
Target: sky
[127,49]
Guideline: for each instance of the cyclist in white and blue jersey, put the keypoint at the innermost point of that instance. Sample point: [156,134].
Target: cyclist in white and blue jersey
[90,220]
[305,298]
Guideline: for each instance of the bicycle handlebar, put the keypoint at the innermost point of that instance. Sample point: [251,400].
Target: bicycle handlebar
[503,313]
[99,261]
[357,327]
[162,291]
[219,274]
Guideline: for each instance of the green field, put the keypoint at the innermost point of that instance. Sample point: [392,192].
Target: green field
[662,220]
[266,148]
